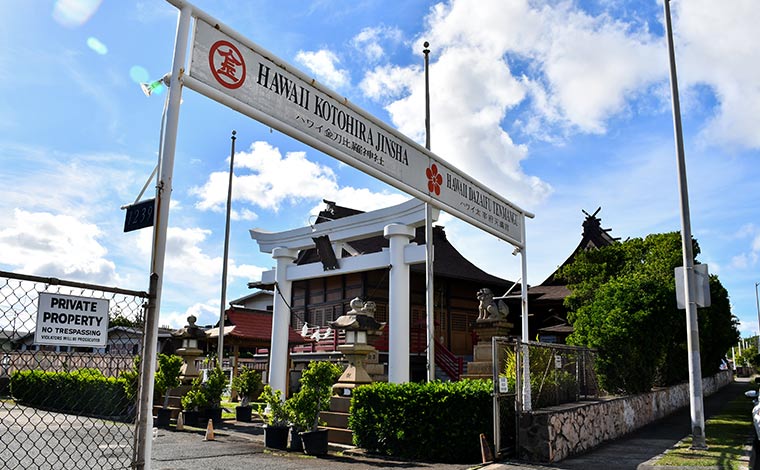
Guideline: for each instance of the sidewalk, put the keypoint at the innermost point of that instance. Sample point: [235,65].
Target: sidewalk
[633,451]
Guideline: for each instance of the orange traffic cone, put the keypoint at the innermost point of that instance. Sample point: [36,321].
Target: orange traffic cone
[209,431]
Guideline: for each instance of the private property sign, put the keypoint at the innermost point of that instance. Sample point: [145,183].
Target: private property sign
[229,68]
[66,320]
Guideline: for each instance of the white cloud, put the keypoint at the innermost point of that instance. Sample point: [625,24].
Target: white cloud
[324,64]
[189,268]
[56,246]
[390,81]
[273,180]
[369,41]
[717,46]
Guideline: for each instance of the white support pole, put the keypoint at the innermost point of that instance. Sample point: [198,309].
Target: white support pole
[278,352]
[163,199]
[526,398]
[429,292]
[698,440]
[398,303]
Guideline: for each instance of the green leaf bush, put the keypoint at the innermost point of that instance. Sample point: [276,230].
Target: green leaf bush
[314,395]
[167,375]
[435,421]
[81,391]
[247,385]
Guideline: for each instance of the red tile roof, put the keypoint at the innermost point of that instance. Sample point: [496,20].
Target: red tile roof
[256,326]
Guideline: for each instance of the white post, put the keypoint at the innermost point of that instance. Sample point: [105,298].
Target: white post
[163,199]
[429,292]
[398,303]
[526,398]
[278,352]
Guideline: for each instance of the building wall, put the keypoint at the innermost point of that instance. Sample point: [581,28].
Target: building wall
[319,301]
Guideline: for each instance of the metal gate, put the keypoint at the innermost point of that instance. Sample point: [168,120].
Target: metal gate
[506,400]
[65,406]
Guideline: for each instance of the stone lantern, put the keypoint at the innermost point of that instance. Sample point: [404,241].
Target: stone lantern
[189,335]
[358,323]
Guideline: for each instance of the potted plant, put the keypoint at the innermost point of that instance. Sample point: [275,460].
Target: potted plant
[247,385]
[166,378]
[213,388]
[193,402]
[316,387]
[297,409]
[276,427]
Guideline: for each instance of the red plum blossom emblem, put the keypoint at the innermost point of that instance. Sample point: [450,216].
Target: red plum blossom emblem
[435,180]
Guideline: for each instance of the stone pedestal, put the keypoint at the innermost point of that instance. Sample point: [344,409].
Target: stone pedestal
[188,372]
[481,366]
[355,374]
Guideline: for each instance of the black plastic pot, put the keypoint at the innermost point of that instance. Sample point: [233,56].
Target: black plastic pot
[163,418]
[191,418]
[243,413]
[296,444]
[214,414]
[276,437]
[314,442]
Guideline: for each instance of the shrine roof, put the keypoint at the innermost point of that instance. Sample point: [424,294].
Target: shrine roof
[449,262]
[253,328]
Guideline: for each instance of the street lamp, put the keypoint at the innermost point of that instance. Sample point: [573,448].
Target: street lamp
[156,85]
[692,329]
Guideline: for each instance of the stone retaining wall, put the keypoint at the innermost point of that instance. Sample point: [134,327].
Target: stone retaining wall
[555,433]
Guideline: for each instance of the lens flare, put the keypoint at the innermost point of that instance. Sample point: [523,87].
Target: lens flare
[97,46]
[138,74]
[73,13]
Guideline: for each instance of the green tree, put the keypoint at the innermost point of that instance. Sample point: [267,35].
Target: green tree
[749,357]
[623,303]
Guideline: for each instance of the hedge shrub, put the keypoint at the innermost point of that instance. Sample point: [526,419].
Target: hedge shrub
[435,421]
[81,391]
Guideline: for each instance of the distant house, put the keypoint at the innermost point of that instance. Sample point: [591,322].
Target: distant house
[9,339]
[259,300]
[549,315]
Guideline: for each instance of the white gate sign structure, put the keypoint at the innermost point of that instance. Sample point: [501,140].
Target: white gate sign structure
[232,70]
[67,320]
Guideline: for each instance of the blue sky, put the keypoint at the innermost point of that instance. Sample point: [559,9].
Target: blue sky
[559,106]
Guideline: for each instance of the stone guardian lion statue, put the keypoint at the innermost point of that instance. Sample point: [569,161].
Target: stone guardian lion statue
[489,309]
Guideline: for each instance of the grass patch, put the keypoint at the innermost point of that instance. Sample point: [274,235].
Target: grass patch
[727,434]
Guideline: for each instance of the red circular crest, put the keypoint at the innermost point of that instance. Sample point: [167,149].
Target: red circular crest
[227,64]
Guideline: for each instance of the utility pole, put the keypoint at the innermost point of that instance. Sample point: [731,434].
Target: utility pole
[223,301]
[692,325]
[429,251]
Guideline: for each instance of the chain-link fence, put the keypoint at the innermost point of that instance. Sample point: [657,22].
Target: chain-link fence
[68,377]
[559,374]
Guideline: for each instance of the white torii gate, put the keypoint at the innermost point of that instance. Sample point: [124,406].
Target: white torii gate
[397,224]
